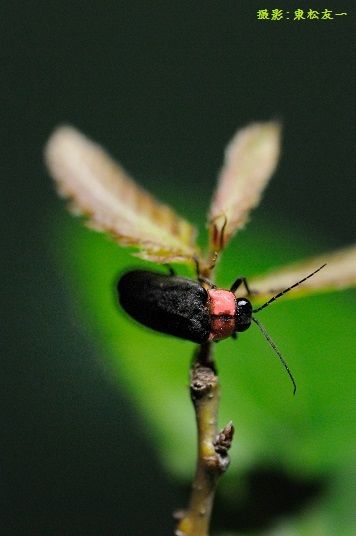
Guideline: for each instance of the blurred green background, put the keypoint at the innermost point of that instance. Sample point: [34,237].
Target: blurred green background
[97,429]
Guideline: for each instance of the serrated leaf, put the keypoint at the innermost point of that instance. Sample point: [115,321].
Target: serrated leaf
[100,189]
[339,273]
[250,159]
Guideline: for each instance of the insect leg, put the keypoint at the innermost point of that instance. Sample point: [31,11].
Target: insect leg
[206,281]
[200,278]
[238,282]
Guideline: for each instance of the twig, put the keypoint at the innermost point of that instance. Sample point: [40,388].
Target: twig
[213,447]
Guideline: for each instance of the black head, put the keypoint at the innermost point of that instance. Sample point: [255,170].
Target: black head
[243,314]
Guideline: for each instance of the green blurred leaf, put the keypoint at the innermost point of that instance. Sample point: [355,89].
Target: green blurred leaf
[333,514]
[311,434]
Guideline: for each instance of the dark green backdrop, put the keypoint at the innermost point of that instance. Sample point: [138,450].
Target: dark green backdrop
[163,85]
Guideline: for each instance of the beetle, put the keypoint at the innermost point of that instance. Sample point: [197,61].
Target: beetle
[184,308]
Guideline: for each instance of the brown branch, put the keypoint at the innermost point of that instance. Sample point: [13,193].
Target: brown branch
[213,447]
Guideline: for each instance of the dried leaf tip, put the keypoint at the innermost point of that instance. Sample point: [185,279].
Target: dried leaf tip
[101,190]
[250,160]
[339,273]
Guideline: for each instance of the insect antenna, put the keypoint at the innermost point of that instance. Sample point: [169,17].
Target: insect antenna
[282,360]
[287,290]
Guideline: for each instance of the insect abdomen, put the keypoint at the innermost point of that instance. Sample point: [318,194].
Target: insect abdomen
[169,304]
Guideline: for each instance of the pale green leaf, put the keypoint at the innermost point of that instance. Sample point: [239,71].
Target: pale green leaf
[339,273]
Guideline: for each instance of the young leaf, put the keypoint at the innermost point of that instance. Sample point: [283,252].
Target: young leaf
[250,159]
[339,273]
[100,189]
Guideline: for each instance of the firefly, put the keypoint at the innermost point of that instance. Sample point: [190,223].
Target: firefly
[184,308]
